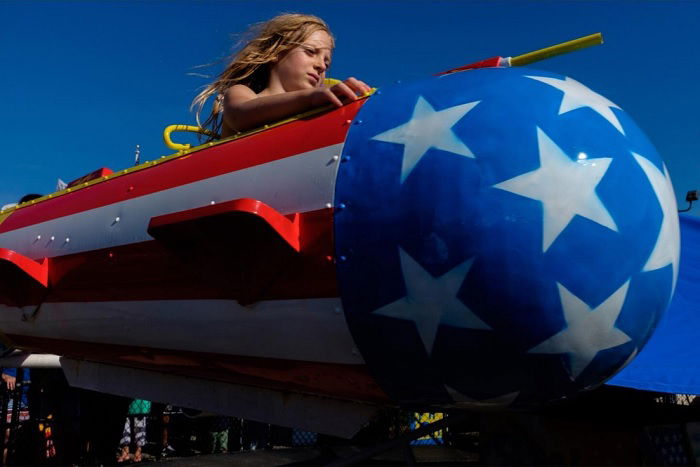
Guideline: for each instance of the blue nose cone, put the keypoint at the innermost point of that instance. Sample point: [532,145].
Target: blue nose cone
[509,238]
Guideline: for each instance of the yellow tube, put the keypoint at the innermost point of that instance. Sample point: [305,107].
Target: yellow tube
[564,47]
[183,147]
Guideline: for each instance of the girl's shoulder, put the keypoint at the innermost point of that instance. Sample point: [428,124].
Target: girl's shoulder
[239,91]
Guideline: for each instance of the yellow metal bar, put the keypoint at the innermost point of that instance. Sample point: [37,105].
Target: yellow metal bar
[183,147]
[330,82]
[564,47]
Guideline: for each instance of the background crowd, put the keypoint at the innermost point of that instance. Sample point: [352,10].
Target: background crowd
[60,425]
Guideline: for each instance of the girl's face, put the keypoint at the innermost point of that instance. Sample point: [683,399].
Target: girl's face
[304,66]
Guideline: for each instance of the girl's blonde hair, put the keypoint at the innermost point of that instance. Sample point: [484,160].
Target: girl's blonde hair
[251,64]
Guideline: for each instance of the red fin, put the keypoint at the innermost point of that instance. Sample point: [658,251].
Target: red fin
[242,245]
[256,217]
[23,281]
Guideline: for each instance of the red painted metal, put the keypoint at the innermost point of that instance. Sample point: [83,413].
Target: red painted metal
[99,173]
[248,211]
[154,270]
[488,63]
[22,280]
[298,136]
[241,245]
[38,271]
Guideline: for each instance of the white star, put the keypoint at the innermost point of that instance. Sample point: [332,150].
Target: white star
[667,249]
[587,331]
[431,301]
[576,95]
[498,402]
[427,129]
[565,188]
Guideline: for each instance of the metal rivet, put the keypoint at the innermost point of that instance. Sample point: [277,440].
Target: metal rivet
[52,238]
[345,159]
[131,188]
[348,122]
[342,259]
[67,240]
[358,122]
[378,91]
[117,219]
[337,310]
[354,351]
[212,202]
[335,158]
[329,205]
[340,206]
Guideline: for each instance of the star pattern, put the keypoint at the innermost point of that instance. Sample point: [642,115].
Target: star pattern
[427,129]
[563,224]
[587,331]
[430,301]
[565,187]
[577,96]
[666,250]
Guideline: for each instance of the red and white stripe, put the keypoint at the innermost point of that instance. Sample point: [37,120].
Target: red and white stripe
[119,296]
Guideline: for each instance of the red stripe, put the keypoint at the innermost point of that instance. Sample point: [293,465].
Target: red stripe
[152,271]
[259,218]
[271,145]
[329,379]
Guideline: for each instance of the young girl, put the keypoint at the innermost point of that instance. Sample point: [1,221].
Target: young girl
[279,73]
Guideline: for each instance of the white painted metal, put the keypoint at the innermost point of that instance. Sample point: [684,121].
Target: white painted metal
[311,330]
[323,415]
[301,183]
[20,359]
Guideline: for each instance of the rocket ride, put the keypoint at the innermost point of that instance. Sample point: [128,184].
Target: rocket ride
[492,238]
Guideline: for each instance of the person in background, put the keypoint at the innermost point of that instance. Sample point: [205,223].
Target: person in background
[134,430]
[217,436]
[166,411]
[9,378]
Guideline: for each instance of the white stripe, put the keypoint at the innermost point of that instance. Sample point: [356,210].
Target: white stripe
[321,414]
[300,183]
[308,330]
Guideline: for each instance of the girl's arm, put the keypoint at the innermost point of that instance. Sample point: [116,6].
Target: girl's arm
[243,109]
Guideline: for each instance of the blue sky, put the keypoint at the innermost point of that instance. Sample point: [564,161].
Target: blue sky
[82,83]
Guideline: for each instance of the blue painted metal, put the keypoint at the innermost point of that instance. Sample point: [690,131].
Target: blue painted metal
[455,284]
[670,362]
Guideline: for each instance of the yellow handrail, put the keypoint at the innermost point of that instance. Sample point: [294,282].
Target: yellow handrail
[564,47]
[191,128]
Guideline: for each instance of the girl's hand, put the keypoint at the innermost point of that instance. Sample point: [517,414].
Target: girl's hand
[244,109]
[347,91]
[10,381]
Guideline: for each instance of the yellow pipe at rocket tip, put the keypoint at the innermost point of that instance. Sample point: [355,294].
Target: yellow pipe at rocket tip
[558,49]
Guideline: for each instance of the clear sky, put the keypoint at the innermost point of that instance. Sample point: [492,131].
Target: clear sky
[82,83]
